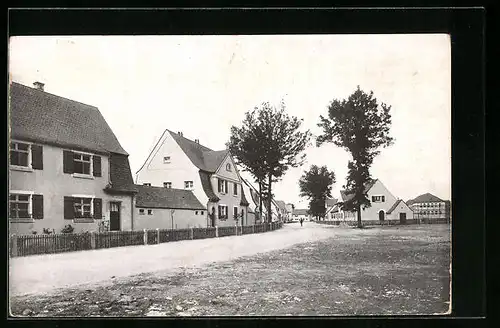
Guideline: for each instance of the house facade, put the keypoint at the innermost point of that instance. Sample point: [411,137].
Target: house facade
[66,166]
[300,213]
[212,176]
[384,206]
[167,208]
[429,207]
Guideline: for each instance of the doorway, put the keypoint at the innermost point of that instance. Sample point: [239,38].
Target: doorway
[114,216]
[381,215]
[402,218]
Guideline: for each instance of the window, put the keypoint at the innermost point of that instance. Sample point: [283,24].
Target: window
[235,188]
[82,207]
[141,211]
[228,167]
[150,212]
[19,154]
[235,212]
[167,184]
[196,212]
[223,212]
[81,163]
[188,184]
[222,186]
[166,159]
[147,184]
[378,199]
[19,206]
[202,212]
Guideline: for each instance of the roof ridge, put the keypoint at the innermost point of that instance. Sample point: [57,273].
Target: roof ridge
[57,96]
[194,142]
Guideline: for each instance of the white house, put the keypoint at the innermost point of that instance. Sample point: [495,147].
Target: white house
[212,176]
[300,213]
[384,206]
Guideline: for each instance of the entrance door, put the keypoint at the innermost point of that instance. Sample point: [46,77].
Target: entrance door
[402,218]
[114,216]
[381,215]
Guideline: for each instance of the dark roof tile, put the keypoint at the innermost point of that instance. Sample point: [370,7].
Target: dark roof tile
[42,117]
[120,175]
[158,197]
[207,186]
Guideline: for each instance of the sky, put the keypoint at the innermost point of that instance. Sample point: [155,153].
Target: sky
[202,85]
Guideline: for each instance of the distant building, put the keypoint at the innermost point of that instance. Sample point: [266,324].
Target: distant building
[384,206]
[428,207]
[300,213]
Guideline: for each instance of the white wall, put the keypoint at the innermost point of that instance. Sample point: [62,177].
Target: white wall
[162,219]
[378,189]
[179,169]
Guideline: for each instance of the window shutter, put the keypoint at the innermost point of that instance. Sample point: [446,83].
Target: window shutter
[97,165]
[69,210]
[383,199]
[37,157]
[218,185]
[37,206]
[67,161]
[225,186]
[97,208]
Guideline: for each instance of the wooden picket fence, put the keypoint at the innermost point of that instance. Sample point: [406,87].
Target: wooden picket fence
[24,245]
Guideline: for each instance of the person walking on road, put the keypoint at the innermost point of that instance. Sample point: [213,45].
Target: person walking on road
[301,221]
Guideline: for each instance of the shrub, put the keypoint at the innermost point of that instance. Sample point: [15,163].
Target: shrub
[47,231]
[67,229]
[34,232]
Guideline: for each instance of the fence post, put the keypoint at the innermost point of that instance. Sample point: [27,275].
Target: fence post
[14,245]
[236,229]
[253,228]
[145,237]
[216,231]
[191,233]
[92,239]
[157,235]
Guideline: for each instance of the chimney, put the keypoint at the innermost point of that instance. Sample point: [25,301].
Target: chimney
[197,141]
[179,133]
[38,85]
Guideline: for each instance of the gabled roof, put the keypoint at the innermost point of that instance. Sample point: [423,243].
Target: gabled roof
[120,175]
[202,157]
[243,201]
[39,116]
[426,198]
[281,204]
[331,202]
[368,186]
[393,207]
[158,197]
[300,211]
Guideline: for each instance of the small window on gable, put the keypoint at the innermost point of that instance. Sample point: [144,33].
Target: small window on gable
[188,184]
[150,212]
[167,184]
[166,159]
[196,212]
[141,211]
[228,167]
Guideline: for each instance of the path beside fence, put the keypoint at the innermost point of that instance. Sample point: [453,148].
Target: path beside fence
[385,222]
[59,243]
[46,273]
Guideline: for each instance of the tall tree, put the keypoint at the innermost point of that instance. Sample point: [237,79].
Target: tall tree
[268,142]
[359,125]
[316,184]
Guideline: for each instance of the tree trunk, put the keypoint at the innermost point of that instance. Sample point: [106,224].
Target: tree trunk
[359,217]
[260,200]
[269,196]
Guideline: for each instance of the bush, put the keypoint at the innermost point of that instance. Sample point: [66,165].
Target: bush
[67,229]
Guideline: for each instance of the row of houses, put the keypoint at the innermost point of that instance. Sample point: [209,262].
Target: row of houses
[385,206]
[68,168]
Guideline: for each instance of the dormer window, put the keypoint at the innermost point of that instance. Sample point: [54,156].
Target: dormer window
[188,184]
[228,167]
[166,159]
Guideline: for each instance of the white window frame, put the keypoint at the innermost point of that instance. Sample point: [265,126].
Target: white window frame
[167,184]
[226,210]
[224,186]
[91,162]
[28,167]
[166,159]
[91,197]
[150,211]
[228,167]
[30,204]
[188,184]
